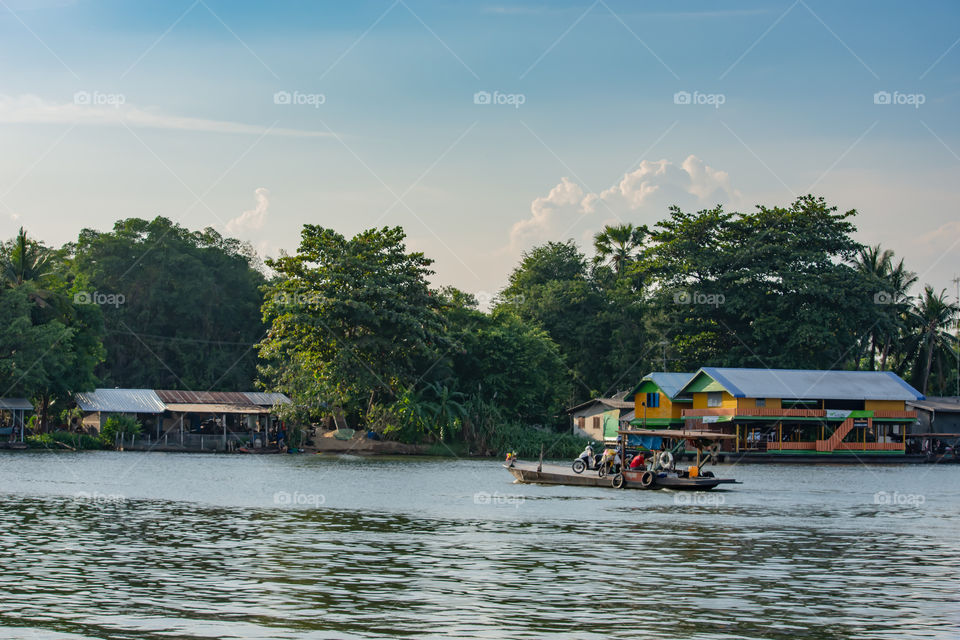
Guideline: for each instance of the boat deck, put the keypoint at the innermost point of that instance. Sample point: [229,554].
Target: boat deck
[526,472]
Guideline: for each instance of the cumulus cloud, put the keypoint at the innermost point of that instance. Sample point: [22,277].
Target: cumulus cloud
[254,218]
[101,109]
[641,196]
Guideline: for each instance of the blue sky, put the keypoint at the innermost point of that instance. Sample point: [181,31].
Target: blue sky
[116,109]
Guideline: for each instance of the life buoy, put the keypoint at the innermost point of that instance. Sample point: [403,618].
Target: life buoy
[665,460]
[646,479]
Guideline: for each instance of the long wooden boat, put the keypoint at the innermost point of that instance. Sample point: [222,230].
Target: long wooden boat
[694,478]
[533,473]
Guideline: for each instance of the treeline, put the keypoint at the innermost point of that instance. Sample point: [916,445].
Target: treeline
[352,329]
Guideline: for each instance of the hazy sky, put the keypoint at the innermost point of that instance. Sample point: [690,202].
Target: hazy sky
[255,118]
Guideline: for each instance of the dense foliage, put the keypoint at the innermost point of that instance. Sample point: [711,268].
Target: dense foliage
[353,331]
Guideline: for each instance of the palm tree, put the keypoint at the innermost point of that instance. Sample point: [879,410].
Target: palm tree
[892,284]
[447,408]
[933,316]
[24,264]
[24,260]
[618,245]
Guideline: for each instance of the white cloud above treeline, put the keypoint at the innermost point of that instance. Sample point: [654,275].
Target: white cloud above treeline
[641,197]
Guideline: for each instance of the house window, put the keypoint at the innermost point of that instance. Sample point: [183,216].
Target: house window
[596,423]
[581,422]
[653,399]
[714,398]
[761,402]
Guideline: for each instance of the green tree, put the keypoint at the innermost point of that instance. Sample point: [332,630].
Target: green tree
[352,322]
[932,318]
[618,246]
[183,307]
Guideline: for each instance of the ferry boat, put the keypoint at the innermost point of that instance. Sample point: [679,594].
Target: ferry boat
[661,473]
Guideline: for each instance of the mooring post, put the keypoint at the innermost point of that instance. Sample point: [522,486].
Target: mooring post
[540,465]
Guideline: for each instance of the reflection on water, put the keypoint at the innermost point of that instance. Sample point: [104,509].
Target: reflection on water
[110,545]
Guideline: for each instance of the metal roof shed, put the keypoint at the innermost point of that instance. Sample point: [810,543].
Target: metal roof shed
[120,401]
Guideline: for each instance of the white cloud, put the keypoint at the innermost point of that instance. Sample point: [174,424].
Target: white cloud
[641,196]
[254,218]
[112,110]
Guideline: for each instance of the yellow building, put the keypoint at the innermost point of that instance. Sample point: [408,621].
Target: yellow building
[789,410]
[656,402]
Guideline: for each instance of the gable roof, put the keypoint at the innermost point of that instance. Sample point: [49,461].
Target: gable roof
[942,404]
[669,383]
[809,384]
[120,401]
[612,403]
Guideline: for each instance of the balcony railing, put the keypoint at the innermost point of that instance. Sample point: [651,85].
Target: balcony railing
[764,412]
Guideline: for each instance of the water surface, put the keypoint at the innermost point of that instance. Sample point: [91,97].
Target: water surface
[149,545]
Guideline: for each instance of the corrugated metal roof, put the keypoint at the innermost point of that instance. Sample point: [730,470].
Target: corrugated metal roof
[16,404]
[798,384]
[266,399]
[608,402]
[669,383]
[947,405]
[199,407]
[120,401]
[203,397]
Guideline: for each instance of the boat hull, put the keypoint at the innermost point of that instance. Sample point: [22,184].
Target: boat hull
[529,473]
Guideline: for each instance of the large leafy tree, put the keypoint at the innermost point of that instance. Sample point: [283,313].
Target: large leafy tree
[352,322]
[772,288]
[182,307]
[49,344]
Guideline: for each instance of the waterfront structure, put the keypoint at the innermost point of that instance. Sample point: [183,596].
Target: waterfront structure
[937,415]
[599,418]
[100,404]
[189,419]
[802,411]
[657,402]
[12,418]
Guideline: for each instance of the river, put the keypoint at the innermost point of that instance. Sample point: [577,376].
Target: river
[151,545]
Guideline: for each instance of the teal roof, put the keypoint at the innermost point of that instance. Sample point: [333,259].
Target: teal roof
[669,383]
